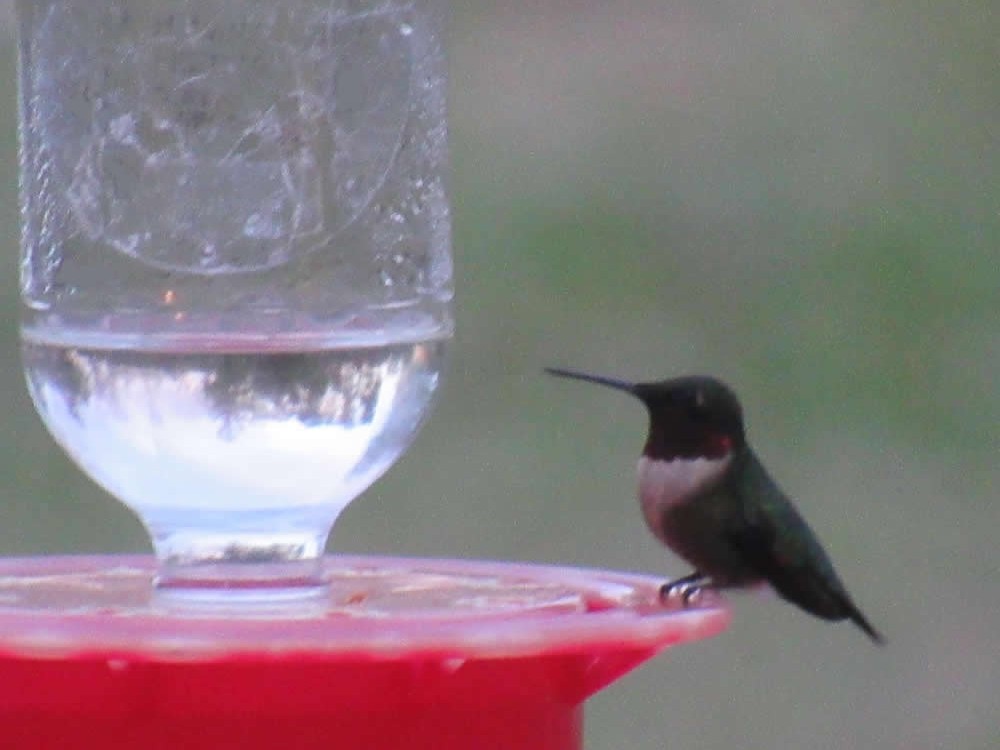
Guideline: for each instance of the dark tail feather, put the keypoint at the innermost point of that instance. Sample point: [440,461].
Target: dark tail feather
[846,609]
[854,614]
[823,596]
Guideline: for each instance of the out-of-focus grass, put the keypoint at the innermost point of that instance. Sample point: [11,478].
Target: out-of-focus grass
[801,199]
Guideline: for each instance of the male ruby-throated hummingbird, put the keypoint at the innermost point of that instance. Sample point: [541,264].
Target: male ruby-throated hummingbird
[706,495]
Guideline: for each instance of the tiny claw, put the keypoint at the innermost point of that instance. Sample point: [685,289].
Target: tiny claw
[668,589]
[687,588]
[691,594]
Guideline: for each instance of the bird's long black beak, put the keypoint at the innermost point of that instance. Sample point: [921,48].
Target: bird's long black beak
[618,385]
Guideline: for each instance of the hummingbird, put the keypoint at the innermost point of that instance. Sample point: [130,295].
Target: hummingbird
[706,495]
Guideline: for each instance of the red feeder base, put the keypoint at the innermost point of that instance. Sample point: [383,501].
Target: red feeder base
[404,653]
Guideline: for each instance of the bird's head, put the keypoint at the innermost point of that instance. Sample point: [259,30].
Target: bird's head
[694,416]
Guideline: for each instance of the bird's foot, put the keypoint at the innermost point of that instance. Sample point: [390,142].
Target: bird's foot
[688,589]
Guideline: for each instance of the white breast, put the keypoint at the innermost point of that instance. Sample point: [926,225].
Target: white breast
[664,484]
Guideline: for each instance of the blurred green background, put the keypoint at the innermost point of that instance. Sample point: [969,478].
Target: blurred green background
[800,197]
